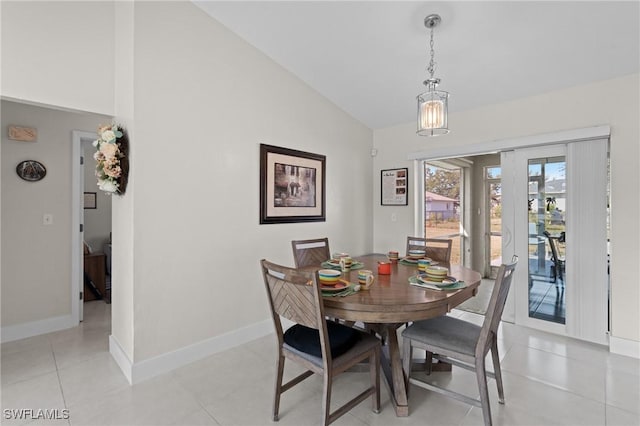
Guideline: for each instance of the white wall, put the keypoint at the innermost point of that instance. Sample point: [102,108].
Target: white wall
[59,53]
[36,259]
[204,101]
[615,102]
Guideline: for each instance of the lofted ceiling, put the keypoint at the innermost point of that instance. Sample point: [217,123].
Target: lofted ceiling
[370,57]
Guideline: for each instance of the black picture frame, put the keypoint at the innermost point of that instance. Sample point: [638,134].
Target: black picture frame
[292,185]
[394,187]
[90,201]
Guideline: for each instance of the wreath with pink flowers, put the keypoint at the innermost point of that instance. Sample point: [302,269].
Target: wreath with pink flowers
[112,164]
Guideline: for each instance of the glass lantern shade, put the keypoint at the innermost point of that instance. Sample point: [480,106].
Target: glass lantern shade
[432,113]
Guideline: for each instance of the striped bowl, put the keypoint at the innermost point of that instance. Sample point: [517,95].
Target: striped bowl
[436,273]
[416,254]
[328,276]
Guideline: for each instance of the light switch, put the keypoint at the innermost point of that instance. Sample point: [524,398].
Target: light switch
[47,219]
[394,217]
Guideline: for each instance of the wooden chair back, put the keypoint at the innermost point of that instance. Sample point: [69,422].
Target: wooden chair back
[310,252]
[437,249]
[295,295]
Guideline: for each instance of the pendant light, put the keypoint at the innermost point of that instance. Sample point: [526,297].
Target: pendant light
[432,104]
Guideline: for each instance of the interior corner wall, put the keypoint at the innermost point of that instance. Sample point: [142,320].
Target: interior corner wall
[36,258]
[204,102]
[123,211]
[614,102]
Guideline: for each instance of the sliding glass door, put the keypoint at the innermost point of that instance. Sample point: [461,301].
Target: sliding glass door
[555,219]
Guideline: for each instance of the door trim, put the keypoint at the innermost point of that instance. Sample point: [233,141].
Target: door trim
[77,213]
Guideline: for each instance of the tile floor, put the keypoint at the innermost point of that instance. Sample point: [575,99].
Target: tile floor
[549,380]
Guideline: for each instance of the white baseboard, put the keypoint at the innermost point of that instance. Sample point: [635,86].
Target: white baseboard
[35,328]
[143,370]
[120,357]
[624,347]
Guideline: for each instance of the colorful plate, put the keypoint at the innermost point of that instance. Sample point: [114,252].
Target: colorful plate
[334,288]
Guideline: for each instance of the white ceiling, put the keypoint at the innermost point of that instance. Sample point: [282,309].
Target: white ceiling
[370,57]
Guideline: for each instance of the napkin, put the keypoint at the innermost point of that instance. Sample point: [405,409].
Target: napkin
[330,265]
[346,292]
[454,286]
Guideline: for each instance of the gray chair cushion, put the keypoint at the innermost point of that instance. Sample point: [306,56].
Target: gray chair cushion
[445,332]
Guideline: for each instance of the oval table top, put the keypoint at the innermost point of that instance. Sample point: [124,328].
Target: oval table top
[391,299]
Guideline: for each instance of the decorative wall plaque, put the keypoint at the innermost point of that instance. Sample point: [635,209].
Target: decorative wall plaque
[25,134]
[31,170]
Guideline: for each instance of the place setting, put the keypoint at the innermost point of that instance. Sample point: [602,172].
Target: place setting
[331,284]
[342,262]
[436,278]
[417,258]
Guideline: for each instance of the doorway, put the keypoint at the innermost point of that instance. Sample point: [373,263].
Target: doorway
[91,215]
[444,204]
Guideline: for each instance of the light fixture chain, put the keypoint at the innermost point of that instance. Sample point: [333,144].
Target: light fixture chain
[432,62]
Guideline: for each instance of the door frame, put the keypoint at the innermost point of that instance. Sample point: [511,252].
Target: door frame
[490,271]
[78,137]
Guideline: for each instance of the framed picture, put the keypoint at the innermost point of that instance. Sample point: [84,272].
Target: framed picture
[292,185]
[90,200]
[394,187]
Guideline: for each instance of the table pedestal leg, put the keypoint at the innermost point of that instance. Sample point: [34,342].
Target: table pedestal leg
[392,368]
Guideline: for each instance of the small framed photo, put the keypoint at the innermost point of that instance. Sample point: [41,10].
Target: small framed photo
[90,200]
[292,185]
[394,187]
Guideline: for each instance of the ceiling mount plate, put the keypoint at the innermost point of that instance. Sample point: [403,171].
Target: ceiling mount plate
[432,20]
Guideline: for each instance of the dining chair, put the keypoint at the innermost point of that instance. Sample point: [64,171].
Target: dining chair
[310,252]
[462,344]
[557,268]
[321,346]
[438,249]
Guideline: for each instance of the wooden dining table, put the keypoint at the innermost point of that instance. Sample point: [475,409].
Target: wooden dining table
[390,303]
